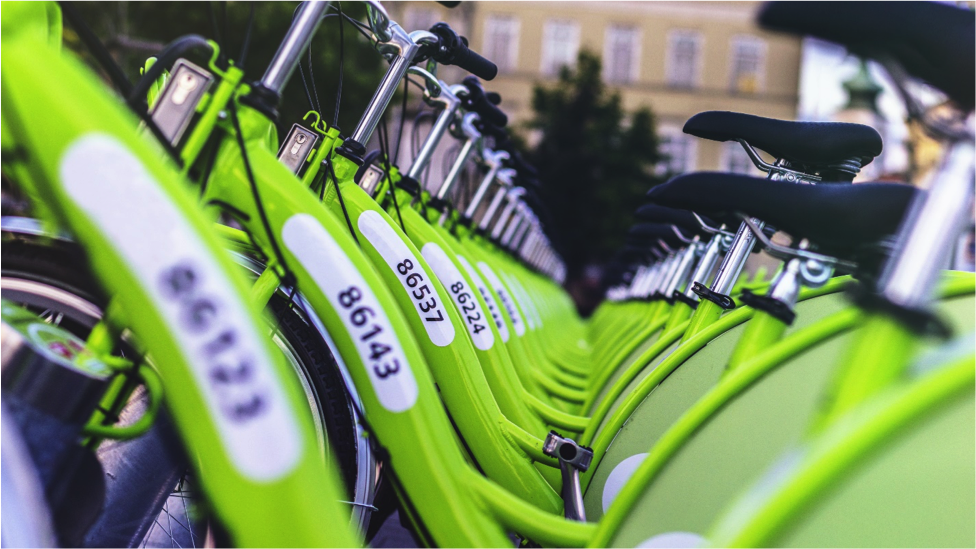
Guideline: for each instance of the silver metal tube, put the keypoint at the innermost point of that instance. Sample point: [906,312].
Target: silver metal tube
[927,234]
[513,225]
[510,207]
[296,40]
[467,126]
[503,177]
[494,160]
[403,50]
[444,119]
[705,265]
[735,259]
[685,263]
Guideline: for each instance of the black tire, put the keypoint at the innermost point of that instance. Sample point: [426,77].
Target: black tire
[61,264]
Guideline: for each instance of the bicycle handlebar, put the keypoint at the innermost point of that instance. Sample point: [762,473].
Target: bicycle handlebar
[477,101]
[454,51]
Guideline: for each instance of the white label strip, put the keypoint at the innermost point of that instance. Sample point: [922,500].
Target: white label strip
[467,303]
[525,301]
[357,306]
[493,309]
[196,300]
[415,279]
[505,297]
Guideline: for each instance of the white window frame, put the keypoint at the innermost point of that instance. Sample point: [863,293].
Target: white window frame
[671,68]
[670,134]
[731,150]
[635,53]
[549,65]
[761,48]
[510,63]
[413,14]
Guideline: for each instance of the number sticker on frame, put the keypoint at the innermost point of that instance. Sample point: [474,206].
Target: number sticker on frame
[194,298]
[409,270]
[357,306]
[505,297]
[467,304]
[486,295]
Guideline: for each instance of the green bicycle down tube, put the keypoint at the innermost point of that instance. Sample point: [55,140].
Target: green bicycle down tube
[110,187]
[442,337]
[493,357]
[371,334]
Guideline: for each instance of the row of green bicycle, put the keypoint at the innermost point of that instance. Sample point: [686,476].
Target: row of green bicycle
[418,342]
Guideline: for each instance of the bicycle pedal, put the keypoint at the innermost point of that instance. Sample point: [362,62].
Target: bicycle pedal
[566,450]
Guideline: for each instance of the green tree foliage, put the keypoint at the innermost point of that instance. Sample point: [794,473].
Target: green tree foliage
[595,162]
[134,31]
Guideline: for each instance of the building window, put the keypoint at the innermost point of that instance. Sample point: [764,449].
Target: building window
[680,150]
[621,54]
[684,58]
[419,19]
[560,44]
[501,41]
[735,159]
[748,64]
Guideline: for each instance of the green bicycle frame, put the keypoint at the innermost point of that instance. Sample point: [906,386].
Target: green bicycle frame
[227,388]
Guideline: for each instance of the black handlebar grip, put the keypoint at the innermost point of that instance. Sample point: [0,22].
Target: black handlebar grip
[474,63]
[449,4]
[477,101]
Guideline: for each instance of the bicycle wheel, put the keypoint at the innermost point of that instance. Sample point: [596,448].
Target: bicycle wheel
[49,277]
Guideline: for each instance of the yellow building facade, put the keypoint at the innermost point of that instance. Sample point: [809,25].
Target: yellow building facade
[678,58]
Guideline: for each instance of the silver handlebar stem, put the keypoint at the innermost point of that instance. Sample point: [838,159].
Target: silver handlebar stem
[296,40]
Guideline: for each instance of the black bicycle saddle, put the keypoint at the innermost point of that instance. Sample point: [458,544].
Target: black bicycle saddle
[809,143]
[840,219]
[932,41]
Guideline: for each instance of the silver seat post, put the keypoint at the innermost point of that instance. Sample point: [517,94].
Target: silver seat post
[925,238]
[513,226]
[706,265]
[686,260]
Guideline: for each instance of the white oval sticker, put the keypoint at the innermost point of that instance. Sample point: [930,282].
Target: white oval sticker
[467,304]
[493,309]
[415,279]
[196,300]
[524,301]
[505,297]
[357,306]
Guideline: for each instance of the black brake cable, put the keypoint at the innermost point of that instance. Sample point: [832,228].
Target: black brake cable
[247,39]
[385,149]
[311,77]
[342,57]
[95,46]
[116,74]
[287,277]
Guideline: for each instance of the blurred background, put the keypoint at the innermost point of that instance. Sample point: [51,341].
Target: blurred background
[596,92]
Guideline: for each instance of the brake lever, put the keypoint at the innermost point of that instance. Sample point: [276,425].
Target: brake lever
[379,20]
[431,82]
[784,252]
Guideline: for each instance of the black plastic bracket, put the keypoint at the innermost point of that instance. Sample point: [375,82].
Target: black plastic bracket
[722,300]
[920,321]
[770,305]
[678,296]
